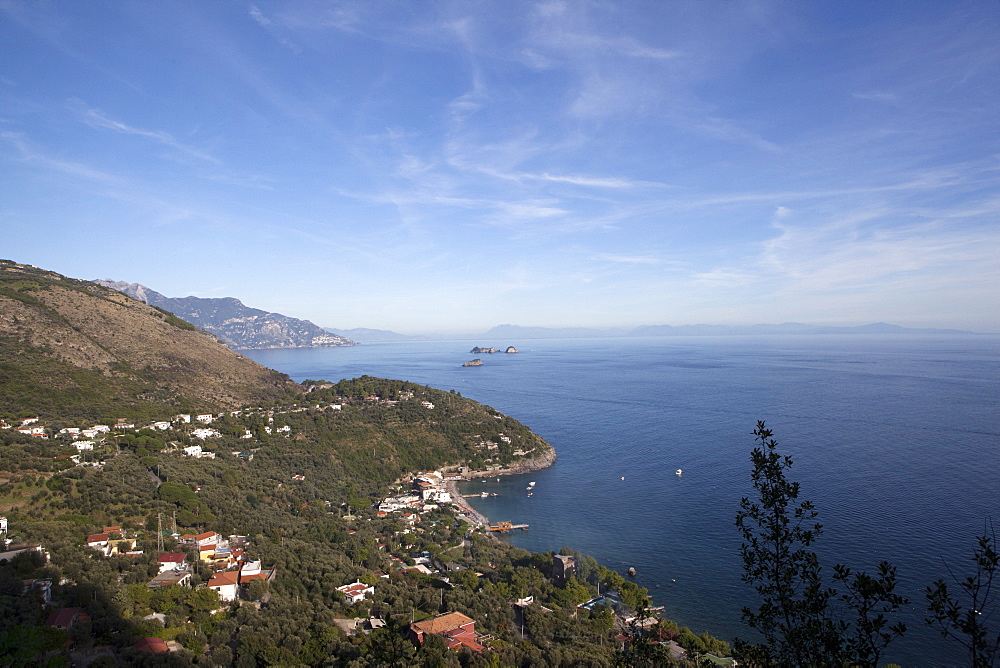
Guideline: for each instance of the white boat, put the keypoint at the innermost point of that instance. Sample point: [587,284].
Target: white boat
[678,472]
[530,485]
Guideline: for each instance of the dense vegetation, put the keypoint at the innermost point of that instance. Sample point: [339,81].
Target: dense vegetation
[348,458]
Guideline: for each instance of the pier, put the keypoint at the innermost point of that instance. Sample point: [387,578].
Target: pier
[504,527]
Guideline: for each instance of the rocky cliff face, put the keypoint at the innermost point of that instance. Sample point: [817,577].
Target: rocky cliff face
[236,324]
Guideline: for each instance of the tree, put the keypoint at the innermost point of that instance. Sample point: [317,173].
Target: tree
[795,616]
[872,598]
[969,625]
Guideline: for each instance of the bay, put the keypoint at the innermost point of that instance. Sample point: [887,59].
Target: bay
[895,439]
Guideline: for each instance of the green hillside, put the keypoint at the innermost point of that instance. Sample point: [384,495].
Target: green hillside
[127,437]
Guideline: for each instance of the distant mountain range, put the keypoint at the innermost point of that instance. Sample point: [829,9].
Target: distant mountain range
[237,325]
[508,332]
[366,335]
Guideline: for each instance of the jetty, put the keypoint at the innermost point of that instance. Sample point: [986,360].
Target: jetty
[504,527]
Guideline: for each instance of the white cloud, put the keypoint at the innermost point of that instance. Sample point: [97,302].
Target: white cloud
[259,17]
[99,120]
[628,259]
[34,156]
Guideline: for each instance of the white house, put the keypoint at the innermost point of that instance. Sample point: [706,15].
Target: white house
[83,445]
[250,569]
[205,433]
[162,426]
[226,584]
[172,561]
[438,495]
[99,542]
[356,591]
[205,418]
[192,450]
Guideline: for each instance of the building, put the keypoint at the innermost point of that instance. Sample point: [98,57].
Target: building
[9,551]
[563,566]
[226,584]
[152,646]
[171,561]
[356,591]
[171,577]
[64,618]
[456,629]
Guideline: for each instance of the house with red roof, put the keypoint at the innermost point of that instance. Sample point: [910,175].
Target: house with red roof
[457,630]
[64,618]
[207,538]
[171,561]
[356,591]
[226,584]
[152,646]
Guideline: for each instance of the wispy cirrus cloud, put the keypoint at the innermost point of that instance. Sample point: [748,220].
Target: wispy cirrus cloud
[628,259]
[97,119]
[30,154]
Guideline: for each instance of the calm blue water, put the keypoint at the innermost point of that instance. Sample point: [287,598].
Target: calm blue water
[895,440]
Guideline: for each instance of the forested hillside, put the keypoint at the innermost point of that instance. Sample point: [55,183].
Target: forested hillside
[167,502]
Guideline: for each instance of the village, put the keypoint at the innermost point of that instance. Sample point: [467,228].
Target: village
[215,574]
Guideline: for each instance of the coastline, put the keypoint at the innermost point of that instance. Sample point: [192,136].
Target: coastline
[479,520]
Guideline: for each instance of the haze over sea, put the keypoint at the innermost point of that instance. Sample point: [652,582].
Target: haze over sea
[895,439]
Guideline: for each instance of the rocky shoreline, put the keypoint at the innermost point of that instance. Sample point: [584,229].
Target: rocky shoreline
[542,461]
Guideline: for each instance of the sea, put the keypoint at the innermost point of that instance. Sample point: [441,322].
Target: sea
[894,439]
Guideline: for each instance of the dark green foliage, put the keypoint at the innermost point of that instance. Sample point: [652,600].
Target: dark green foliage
[871,598]
[349,458]
[795,617]
[966,617]
[172,319]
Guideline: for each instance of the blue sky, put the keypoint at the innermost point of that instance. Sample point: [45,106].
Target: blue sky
[450,166]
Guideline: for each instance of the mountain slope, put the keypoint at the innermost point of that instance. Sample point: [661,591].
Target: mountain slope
[238,325]
[70,347]
[368,335]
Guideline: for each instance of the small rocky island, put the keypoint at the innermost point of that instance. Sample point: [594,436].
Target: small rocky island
[479,351]
[475,362]
[510,350]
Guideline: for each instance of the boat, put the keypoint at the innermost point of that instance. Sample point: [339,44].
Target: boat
[678,472]
[529,493]
[531,484]
[484,495]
